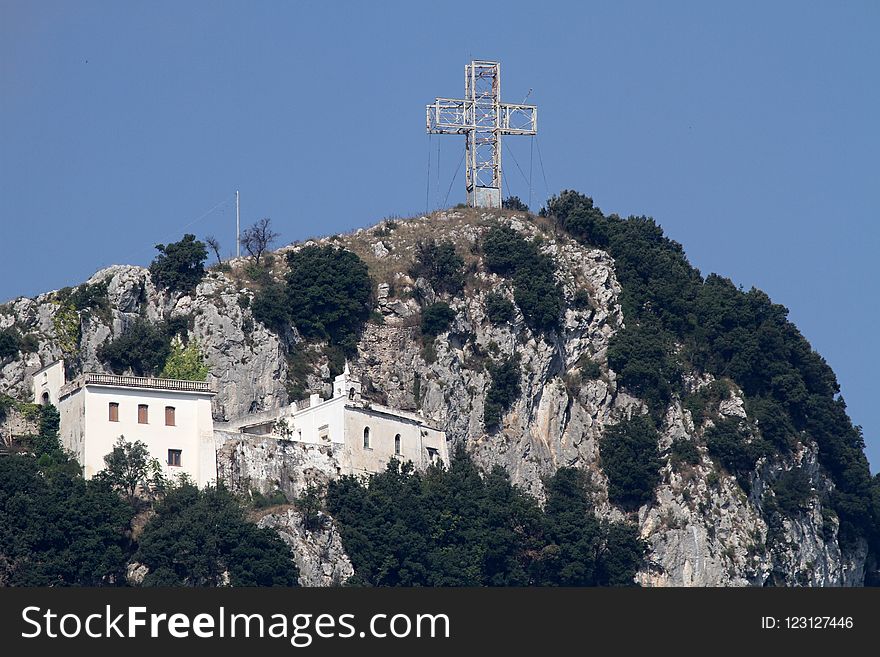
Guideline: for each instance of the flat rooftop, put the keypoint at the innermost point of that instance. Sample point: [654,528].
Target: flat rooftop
[141,382]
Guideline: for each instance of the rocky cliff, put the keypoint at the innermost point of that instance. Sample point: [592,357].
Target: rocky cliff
[702,527]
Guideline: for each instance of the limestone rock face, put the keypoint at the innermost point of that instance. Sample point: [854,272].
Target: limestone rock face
[266,464]
[318,553]
[703,528]
[247,360]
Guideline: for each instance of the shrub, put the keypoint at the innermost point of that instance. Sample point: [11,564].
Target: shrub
[309,504]
[683,451]
[514,203]
[589,368]
[91,297]
[581,550]
[440,265]
[631,462]
[436,319]
[703,399]
[792,490]
[270,308]
[534,287]
[642,354]
[185,362]
[10,343]
[499,309]
[503,390]
[729,444]
[581,300]
[143,348]
[261,501]
[329,294]
[228,545]
[578,217]
[66,323]
[180,266]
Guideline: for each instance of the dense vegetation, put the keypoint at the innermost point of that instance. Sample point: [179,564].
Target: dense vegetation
[185,362]
[436,319]
[326,296]
[498,309]
[56,529]
[630,461]
[535,291]
[727,332]
[503,390]
[454,527]
[180,266]
[228,545]
[145,349]
[440,265]
[12,342]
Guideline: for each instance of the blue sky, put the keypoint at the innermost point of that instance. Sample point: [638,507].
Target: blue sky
[747,129]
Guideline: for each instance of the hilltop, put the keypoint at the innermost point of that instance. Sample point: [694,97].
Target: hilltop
[573,339]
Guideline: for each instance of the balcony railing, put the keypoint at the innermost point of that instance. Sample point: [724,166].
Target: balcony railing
[118,381]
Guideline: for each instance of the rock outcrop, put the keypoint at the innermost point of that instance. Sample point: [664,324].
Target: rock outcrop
[702,528]
[318,550]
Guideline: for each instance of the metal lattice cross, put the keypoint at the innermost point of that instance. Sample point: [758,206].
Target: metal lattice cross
[482,118]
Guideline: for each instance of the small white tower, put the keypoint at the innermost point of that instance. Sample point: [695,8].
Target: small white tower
[344,385]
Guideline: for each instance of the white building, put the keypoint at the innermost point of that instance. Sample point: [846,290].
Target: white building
[362,435]
[173,418]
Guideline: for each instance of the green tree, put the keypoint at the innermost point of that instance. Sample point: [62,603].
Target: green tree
[47,441]
[733,448]
[535,290]
[127,468]
[185,362]
[643,356]
[270,308]
[503,390]
[440,265]
[436,319]
[310,504]
[142,347]
[631,462]
[10,343]
[498,309]
[180,266]
[329,294]
[201,538]
[514,203]
[58,530]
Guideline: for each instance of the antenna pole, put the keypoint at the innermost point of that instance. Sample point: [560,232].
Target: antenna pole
[237,227]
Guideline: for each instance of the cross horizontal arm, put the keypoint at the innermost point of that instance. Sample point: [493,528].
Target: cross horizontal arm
[456,116]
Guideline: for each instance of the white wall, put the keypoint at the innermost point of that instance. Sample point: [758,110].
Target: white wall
[193,432]
[383,428]
[49,380]
[306,423]
[71,411]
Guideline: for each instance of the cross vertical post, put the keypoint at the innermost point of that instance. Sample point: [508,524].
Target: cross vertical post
[483,119]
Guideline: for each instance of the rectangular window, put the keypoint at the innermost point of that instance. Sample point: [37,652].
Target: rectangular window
[142,414]
[114,412]
[174,457]
[169,416]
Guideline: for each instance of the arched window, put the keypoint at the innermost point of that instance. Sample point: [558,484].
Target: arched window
[397,444]
[366,437]
[351,393]
[45,399]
